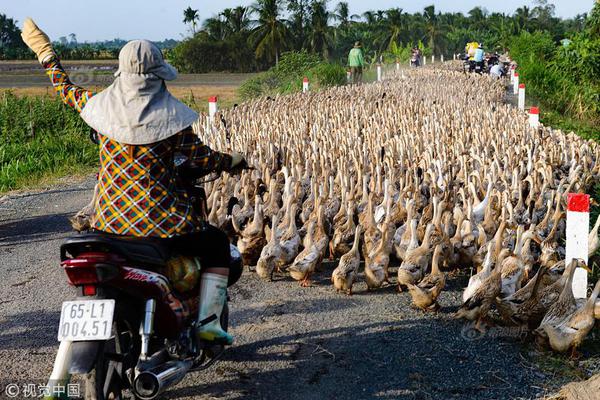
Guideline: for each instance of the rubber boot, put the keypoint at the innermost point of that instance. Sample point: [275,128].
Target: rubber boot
[213,294]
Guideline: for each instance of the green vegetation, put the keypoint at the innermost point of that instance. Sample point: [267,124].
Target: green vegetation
[288,74]
[40,138]
[260,34]
[565,78]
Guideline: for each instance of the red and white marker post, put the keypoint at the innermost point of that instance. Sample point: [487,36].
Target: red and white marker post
[534,117]
[516,83]
[212,107]
[397,65]
[512,74]
[305,85]
[521,97]
[578,222]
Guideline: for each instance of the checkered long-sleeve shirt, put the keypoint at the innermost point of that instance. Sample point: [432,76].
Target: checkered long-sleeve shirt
[139,193]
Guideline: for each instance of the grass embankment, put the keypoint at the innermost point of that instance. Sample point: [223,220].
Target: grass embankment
[564,79]
[40,139]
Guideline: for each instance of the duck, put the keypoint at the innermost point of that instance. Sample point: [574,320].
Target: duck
[570,332]
[343,237]
[477,306]
[475,281]
[424,295]
[345,274]
[270,256]
[252,238]
[376,264]
[565,305]
[305,263]
[524,306]
[413,267]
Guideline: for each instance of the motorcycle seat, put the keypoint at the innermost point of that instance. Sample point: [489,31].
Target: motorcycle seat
[142,251]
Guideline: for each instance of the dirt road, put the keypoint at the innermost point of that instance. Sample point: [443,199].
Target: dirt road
[291,342]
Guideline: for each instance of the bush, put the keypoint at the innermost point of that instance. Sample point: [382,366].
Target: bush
[201,54]
[287,76]
[566,79]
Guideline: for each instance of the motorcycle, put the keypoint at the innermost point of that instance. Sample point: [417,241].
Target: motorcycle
[130,330]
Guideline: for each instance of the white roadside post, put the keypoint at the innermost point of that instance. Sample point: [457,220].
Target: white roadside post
[397,65]
[578,222]
[305,85]
[522,97]
[512,74]
[534,117]
[424,61]
[516,84]
[379,73]
[349,76]
[442,58]
[432,59]
[212,108]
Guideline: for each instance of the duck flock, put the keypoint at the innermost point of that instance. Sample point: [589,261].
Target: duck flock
[428,171]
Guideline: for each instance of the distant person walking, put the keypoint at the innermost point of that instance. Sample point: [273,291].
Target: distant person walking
[356,61]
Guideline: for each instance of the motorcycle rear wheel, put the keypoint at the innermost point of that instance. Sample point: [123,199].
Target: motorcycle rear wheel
[108,381]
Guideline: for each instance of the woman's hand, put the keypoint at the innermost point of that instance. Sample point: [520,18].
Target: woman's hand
[37,41]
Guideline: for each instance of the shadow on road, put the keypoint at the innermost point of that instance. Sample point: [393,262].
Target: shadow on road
[30,330]
[34,229]
[407,359]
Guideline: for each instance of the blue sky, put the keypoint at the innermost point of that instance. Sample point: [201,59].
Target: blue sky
[160,19]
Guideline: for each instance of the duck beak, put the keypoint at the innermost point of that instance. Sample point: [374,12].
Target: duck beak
[584,265]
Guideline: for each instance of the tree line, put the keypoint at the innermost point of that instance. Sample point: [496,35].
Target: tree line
[253,38]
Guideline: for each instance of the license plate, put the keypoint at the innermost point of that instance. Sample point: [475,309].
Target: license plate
[83,320]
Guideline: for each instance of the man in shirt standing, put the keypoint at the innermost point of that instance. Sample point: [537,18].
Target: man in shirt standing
[356,62]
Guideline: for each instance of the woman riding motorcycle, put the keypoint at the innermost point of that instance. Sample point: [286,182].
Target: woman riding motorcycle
[142,127]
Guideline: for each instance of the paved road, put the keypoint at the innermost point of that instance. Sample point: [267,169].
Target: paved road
[291,343]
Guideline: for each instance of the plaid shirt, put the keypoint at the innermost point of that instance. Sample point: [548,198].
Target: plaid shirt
[139,193]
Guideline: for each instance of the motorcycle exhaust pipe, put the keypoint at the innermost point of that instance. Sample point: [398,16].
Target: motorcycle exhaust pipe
[149,384]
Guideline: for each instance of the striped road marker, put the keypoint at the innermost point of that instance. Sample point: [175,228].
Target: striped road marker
[578,222]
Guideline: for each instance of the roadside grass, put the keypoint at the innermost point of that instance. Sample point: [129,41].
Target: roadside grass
[40,139]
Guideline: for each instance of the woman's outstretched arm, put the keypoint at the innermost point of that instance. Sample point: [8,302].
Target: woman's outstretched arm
[71,94]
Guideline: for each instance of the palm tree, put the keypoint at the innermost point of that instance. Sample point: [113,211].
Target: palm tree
[523,17]
[319,37]
[342,15]
[299,11]
[190,16]
[270,36]
[477,18]
[393,27]
[236,19]
[434,29]
[216,28]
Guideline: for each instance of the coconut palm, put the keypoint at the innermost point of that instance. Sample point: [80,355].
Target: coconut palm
[523,17]
[319,36]
[434,29]
[236,19]
[343,16]
[271,34]
[393,28]
[299,14]
[190,16]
